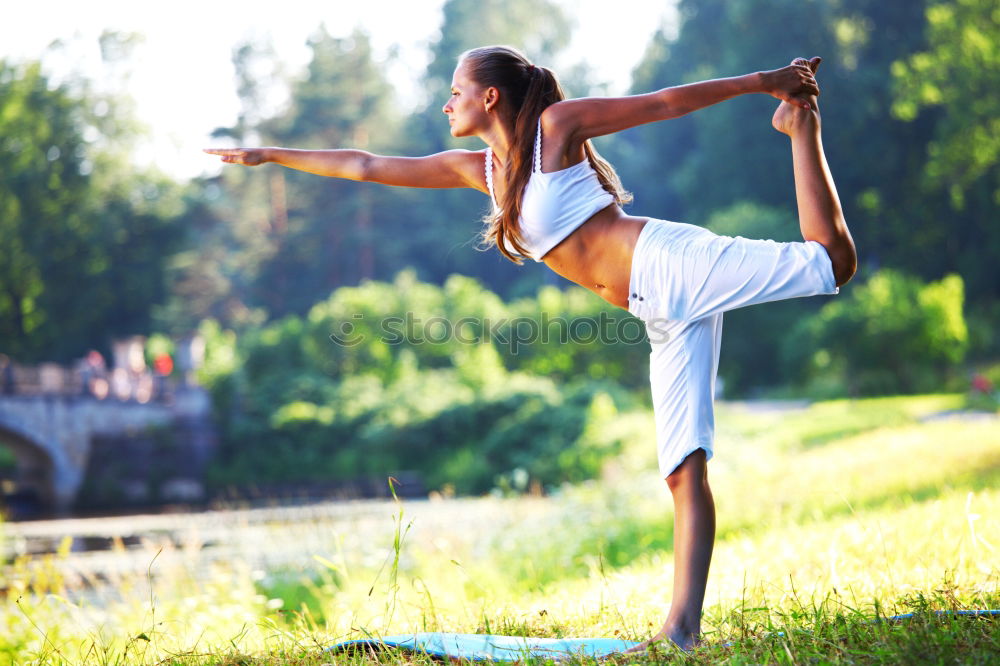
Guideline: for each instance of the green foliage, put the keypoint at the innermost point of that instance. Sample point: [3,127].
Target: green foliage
[574,334]
[728,153]
[342,99]
[69,216]
[951,86]
[959,73]
[893,334]
[407,376]
[455,384]
[8,461]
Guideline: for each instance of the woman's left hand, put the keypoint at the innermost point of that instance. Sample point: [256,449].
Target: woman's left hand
[795,83]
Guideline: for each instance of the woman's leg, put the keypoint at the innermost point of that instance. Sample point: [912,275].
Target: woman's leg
[821,218]
[694,536]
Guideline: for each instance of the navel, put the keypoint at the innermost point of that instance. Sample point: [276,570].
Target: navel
[599,286]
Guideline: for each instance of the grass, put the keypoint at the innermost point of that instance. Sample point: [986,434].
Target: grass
[830,518]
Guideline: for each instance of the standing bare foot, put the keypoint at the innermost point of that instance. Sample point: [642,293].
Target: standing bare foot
[683,639]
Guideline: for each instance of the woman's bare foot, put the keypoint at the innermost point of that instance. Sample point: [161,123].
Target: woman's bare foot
[789,119]
[683,639]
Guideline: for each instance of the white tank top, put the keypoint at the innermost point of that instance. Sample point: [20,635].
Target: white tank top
[555,203]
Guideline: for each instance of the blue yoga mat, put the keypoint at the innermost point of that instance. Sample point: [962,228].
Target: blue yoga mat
[971,613]
[486,647]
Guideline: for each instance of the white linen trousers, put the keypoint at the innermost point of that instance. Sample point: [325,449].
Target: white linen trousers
[683,277]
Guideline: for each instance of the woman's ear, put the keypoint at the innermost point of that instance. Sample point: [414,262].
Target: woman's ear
[491,97]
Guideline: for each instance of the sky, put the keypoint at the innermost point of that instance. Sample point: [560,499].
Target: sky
[181,75]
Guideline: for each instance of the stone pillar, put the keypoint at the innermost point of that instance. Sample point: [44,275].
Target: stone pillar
[190,356]
[66,479]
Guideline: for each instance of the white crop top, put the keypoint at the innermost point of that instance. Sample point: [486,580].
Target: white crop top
[555,203]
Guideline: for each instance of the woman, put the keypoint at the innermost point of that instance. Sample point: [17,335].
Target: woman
[555,200]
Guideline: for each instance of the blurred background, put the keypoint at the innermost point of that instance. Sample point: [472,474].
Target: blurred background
[165,324]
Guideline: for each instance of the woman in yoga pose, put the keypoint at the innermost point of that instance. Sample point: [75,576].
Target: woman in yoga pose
[555,200]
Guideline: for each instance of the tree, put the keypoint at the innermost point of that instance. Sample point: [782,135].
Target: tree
[960,74]
[953,84]
[83,244]
[83,239]
[893,334]
[43,199]
[324,232]
[229,220]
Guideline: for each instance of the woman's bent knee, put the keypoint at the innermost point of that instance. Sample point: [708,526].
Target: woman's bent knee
[691,470]
[843,258]
[845,262]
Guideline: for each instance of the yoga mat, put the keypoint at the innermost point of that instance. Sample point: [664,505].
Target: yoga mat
[972,613]
[486,647]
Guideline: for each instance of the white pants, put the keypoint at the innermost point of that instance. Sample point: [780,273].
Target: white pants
[683,278]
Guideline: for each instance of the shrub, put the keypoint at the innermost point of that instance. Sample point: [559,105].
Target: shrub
[893,334]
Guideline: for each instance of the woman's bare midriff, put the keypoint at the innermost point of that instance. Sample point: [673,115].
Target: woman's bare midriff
[598,254]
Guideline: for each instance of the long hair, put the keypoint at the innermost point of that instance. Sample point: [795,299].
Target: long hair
[525,91]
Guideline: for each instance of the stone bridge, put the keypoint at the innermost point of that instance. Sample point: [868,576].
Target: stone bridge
[50,415]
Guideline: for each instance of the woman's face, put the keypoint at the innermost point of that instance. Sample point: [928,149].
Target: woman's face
[466,108]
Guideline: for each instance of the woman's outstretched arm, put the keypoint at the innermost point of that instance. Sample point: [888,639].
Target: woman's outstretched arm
[451,168]
[587,117]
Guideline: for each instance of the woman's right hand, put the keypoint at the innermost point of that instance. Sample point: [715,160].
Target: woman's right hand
[244,156]
[795,84]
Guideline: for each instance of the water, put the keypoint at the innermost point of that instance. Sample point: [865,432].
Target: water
[103,550]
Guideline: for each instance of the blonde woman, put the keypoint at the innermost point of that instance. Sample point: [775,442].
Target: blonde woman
[555,200]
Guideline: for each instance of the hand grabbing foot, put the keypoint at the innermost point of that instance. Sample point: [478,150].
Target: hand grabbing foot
[790,119]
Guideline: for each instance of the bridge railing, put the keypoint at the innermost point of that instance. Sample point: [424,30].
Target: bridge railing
[115,384]
[129,377]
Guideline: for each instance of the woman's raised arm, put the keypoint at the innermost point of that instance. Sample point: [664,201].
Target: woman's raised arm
[585,118]
[451,168]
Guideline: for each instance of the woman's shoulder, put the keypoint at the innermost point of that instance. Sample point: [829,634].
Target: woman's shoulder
[560,147]
[560,121]
[471,164]
[454,157]
[556,115]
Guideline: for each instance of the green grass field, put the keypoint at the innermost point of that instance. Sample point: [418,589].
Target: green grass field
[829,518]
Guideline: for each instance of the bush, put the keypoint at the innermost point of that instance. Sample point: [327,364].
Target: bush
[293,404]
[894,334]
